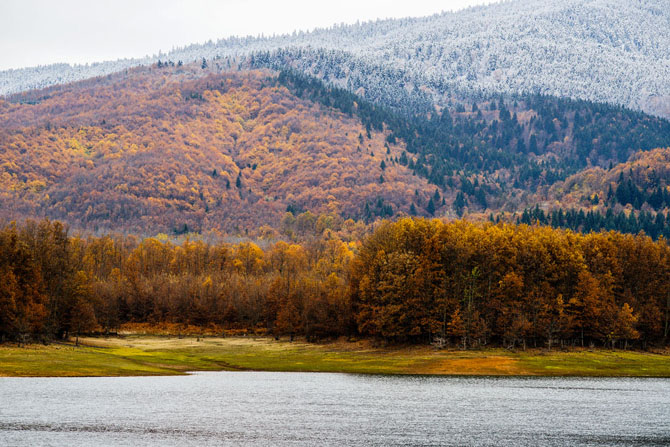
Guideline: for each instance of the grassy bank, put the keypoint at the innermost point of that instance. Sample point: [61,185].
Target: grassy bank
[146,355]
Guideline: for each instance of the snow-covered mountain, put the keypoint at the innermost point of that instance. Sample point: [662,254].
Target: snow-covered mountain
[615,51]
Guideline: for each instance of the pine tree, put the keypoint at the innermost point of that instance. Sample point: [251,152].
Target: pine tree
[459,203]
[431,207]
[532,145]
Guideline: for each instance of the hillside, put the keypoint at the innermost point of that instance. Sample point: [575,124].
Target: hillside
[629,197]
[643,182]
[177,148]
[612,51]
[181,148]
[499,152]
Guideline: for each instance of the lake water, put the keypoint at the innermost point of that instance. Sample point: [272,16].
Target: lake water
[273,409]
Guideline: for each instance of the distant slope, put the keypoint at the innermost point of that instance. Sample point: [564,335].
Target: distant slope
[180,148]
[643,182]
[629,197]
[495,154]
[613,51]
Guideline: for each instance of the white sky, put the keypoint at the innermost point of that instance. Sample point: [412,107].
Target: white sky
[37,32]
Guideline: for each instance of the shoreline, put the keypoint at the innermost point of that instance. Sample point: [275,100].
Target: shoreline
[146,355]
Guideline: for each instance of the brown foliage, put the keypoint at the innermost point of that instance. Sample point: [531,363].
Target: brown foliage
[413,280]
[170,150]
[510,284]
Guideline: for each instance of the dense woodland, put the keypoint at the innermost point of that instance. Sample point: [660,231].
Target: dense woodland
[182,148]
[481,149]
[203,157]
[414,280]
[655,225]
[640,183]
[176,148]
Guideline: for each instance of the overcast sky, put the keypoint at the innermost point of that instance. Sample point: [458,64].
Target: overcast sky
[37,32]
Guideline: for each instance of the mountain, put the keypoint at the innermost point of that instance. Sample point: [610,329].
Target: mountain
[181,148]
[612,51]
[176,148]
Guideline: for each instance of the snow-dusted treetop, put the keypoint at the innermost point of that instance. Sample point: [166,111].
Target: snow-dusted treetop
[614,51]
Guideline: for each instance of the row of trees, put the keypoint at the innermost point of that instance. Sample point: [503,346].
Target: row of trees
[54,286]
[655,225]
[511,285]
[414,280]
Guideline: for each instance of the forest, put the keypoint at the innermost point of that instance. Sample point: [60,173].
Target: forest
[655,225]
[640,183]
[526,140]
[185,148]
[178,148]
[413,281]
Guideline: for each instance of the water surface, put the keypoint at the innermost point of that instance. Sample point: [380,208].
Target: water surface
[265,408]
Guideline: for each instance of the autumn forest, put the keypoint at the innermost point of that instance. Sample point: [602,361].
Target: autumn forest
[415,280]
[239,197]
[415,226]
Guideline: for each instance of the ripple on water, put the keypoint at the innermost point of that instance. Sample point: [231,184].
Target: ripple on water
[252,408]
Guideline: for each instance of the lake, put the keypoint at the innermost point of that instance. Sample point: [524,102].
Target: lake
[274,409]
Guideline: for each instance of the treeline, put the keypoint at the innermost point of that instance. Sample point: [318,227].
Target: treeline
[53,285]
[627,192]
[414,281]
[655,225]
[510,285]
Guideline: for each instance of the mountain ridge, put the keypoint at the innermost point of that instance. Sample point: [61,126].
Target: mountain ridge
[600,50]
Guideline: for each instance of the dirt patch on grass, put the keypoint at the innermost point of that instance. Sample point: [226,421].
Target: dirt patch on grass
[478,366]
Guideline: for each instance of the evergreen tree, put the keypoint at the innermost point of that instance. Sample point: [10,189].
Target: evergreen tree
[459,203]
[431,207]
[532,145]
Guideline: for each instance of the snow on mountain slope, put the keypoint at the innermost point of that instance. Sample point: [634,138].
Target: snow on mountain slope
[615,51]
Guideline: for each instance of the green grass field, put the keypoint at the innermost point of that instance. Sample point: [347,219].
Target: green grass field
[146,355]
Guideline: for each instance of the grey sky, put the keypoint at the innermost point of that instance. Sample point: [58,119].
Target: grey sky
[37,32]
